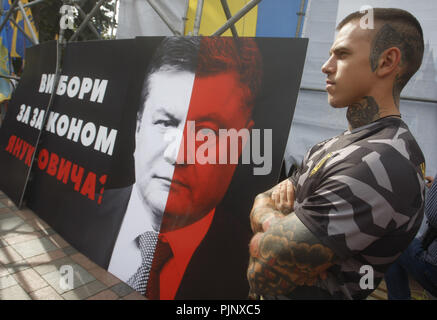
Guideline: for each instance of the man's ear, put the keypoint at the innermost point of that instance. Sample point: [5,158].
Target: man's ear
[389,62]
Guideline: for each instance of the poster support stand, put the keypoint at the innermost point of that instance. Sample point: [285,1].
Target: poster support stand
[235,18]
[31,39]
[86,20]
[229,16]
[59,44]
[301,15]
[161,13]
[114,14]
[9,77]
[198,17]
[8,14]
[90,25]
[29,26]
[30,4]
[17,5]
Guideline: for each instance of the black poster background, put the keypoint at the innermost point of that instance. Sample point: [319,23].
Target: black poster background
[92,228]
[13,172]
[73,215]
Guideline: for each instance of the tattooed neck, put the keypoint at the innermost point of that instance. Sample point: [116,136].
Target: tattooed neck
[397,88]
[363,112]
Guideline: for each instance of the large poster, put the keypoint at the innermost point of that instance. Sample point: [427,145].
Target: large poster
[153,154]
[20,129]
[86,148]
[211,130]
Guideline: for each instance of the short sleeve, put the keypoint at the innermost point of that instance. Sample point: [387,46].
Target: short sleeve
[350,210]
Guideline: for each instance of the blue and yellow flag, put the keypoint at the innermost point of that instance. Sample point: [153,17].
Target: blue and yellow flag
[213,17]
[278,18]
[5,48]
[19,41]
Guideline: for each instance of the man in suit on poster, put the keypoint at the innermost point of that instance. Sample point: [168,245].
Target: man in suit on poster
[194,87]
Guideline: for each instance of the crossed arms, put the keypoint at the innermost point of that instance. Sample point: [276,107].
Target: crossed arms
[284,254]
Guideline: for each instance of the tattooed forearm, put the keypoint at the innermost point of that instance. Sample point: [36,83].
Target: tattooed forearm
[272,205]
[362,112]
[263,212]
[263,216]
[287,255]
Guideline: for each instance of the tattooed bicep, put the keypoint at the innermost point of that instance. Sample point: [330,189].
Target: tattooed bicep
[292,243]
[286,256]
[297,233]
[302,233]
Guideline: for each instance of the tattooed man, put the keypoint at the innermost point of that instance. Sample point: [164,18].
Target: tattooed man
[334,227]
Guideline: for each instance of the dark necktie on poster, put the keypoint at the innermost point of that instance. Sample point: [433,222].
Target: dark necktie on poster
[162,254]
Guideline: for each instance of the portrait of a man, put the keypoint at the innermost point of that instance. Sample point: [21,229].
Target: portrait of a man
[194,89]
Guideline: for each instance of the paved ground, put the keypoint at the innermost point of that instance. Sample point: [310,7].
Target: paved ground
[31,255]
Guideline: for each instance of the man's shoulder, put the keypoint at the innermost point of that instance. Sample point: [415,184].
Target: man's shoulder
[397,146]
[114,199]
[378,151]
[391,140]
[387,157]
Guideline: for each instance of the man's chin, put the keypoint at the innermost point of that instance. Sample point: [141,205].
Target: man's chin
[156,201]
[336,104]
[175,218]
[172,221]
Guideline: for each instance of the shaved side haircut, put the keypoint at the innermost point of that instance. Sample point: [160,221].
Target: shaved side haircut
[396,28]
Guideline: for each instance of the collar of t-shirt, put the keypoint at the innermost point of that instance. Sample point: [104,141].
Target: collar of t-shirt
[376,123]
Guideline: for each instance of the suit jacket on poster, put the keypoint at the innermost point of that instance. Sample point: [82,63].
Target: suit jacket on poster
[97,242]
[217,269]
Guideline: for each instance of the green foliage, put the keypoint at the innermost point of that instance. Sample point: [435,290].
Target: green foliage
[47,16]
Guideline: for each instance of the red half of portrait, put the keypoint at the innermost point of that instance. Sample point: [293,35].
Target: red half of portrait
[204,168]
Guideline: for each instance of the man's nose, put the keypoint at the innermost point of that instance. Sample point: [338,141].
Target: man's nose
[172,140]
[328,67]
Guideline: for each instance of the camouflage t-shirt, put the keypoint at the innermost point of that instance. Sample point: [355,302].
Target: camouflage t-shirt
[361,194]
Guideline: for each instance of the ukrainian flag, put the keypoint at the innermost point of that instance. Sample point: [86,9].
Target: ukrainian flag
[270,18]
[19,41]
[5,48]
